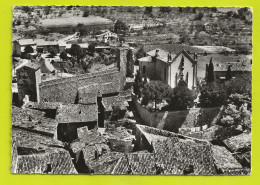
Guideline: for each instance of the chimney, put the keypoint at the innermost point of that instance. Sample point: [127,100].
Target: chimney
[195,56]
[156,53]
[169,57]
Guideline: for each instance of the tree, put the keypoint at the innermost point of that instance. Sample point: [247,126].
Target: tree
[241,85]
[242,13]
[76,51]
[155,91]
[18,22]
[229,73]
[92,47]
[230,13]
[69,7]
[86,13]
[239,99]
[52,51]
[211,96]
[214,9]
[181,98]
[140,52]
[63,55]
[28,49]
[148,10]
[210,72]
[120,26]
[231,116]
[138,78]
[47,10]
[199,16]
[234,117]
[26,9]
[165,9]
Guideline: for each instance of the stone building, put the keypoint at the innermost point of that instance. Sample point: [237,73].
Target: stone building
[73,116]
[19,45]
[169,68]
[28,80]
[237,69]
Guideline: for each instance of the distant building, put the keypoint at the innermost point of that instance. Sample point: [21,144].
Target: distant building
[237,69]
[19,45]
[169,68]
[44,45]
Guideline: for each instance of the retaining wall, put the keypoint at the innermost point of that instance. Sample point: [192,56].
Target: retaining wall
[194,119]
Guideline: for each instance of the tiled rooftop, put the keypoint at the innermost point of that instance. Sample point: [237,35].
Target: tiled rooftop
[71,113]
[239,142]
[235,66]
[181,156]
[136,163]
[118,101]
[33,140]
[162,54]
[55,161]
[33,120]
[33,65]
[224,159]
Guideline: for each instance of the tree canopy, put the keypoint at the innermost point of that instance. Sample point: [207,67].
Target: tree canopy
[86,13]
[181,98]
[155,91]
[165,9]
[92,47]
[52,51]
[212,96]
[28,49]
[210,72]
[120,26]
[63,55]
[229,73]
[148,10]
[76,51]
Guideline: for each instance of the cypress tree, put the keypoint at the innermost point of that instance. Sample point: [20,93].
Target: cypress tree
[228,73]
[210,76]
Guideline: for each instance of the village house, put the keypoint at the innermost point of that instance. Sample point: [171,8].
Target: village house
[42,45]
[19,45]
[237,69]
[169,68]
[72,116]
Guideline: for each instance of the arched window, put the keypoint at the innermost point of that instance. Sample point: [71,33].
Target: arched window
[144,69]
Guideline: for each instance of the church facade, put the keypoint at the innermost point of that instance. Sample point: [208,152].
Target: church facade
[170,68]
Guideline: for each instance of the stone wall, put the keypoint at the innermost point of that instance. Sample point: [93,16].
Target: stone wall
[194,119]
